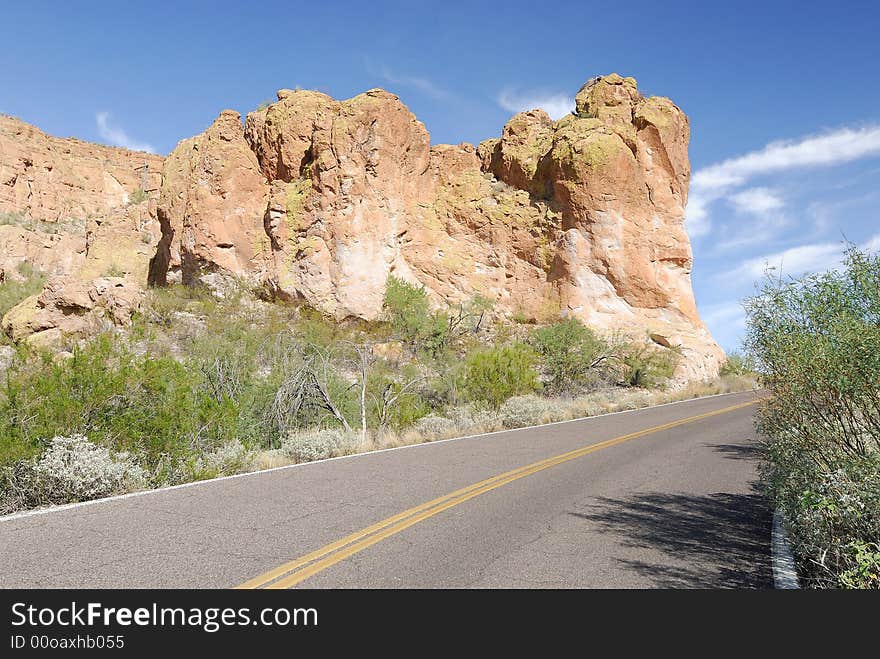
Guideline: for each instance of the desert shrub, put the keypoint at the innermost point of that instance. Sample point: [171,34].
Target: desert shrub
[817,341]
[147,405]
[470,419]
[575,358]
[138,197]
[310,445]
[398,393]
[495,374]
[71,469]
[163,304]
[13,291]
[230,458]
[738,364]
[409,313]
[521,411]
[644,365]
[407,309]
[434,426]
[866,571]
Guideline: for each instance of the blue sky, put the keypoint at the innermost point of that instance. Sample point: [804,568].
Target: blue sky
[784,97]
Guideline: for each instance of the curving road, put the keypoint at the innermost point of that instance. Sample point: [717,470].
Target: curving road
[659,497]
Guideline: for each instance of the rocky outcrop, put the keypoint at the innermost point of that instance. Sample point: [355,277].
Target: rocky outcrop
[583,216]
[71,207]
[211,206]
[71,307]
[319,201]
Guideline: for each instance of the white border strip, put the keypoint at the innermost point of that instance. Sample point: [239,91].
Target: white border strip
[784,571]
[130,495]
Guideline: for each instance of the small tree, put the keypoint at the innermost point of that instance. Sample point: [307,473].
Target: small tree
[494,375]
[574,356]
[817,342]
[645,365]
[409,313]
[739,364]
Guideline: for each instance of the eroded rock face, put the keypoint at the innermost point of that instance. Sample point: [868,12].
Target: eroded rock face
[71,207]
[583,216]
[211,205]
[72,307]
[320,200]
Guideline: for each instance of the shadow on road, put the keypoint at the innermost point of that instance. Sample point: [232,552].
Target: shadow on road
[712,541]
[737,451]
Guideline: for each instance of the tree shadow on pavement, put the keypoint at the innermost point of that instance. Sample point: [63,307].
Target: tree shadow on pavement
[712,541]
[751,451]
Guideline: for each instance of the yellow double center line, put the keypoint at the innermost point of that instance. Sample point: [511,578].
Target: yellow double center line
[294,572]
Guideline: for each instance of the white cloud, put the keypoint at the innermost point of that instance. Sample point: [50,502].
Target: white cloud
[872,244]
[117,136]
[557,105]
[717,181]
[728,314]
[423,85]
[793,261]
[757,201]
[798,260]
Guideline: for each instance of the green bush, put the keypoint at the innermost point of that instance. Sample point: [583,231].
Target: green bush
[409,313]
[138,197]
[13,291]
[817,341]
[573,355]
[496,374]
[645,365]
[152,407]
[739,364]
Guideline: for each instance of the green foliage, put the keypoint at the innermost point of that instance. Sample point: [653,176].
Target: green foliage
[410,316]
[114,271]
[145,405]
[496,374]
[137,197]
[14,218]
[739,364]
[866,571]
[13,291]
[645,365]
[573,355]
[407,308]
[817,340]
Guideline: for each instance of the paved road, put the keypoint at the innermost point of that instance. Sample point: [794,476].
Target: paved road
[622,507]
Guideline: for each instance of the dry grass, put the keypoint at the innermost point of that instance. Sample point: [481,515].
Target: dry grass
[468,420]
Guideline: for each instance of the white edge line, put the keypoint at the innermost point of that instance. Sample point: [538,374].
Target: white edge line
[259,472]
[785,575]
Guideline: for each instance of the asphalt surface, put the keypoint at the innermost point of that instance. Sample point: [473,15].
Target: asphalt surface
[673,508]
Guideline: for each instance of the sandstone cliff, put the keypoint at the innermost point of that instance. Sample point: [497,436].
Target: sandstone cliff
[320,200]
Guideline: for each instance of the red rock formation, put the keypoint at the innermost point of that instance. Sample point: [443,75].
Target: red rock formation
[321,200]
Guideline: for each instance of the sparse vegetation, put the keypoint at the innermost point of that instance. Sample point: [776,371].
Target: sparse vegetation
[496,374]
[817,344]
[14,289]
[211,383]
[138,196]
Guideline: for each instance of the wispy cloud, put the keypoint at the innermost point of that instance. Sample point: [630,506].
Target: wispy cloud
[557,105]
[719,180]
[727,313]
[117,136]
[424,85]
[792,261]
[757,201]
[798,260]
